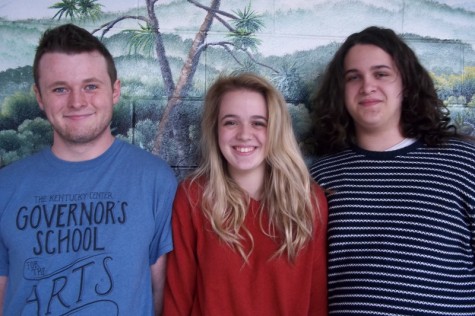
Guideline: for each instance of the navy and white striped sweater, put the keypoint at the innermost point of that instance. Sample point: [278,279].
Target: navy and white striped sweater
[401,230]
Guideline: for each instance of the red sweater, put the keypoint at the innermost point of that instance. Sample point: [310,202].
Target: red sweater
[206,277]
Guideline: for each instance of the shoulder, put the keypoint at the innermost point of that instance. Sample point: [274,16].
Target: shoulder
[330,158]
[190,193]
[136,151]
[187,203]
[462,149]
[320,195]
[459,154]
[317,190]
[321,211]
[191,190]
[462,145]
[141,158]
[25,165]
[329,161]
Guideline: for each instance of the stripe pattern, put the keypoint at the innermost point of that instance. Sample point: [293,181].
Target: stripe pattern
[401,230]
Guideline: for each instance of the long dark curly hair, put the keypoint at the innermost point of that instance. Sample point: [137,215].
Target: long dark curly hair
[424,116]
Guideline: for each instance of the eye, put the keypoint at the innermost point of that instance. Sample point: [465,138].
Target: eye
[259,123]
[351,77]
[90,87]
[59,90]
[229,123]
[386,75]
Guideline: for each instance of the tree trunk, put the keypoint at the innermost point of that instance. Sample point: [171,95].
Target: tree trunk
[186,75]
[168,83]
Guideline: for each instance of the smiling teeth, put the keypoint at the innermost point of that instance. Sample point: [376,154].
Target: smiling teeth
[244,149]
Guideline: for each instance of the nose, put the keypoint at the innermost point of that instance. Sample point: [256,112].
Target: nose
[367,85]
[77,99]
[244,132]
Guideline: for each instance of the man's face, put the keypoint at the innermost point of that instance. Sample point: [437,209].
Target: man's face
[77,95]
[373,89]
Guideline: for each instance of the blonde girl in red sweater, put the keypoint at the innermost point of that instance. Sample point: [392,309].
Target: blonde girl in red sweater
[249,225]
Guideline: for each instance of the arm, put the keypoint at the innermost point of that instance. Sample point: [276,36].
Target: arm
[3,286]
[158,282]
[320,295]
[180,286]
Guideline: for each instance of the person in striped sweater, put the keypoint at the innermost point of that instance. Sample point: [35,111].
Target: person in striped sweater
[400,184]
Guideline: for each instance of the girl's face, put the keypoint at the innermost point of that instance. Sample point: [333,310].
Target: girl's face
[242,132]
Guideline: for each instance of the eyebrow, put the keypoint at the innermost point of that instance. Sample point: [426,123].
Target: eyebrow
[88,80]
[376,67]
[237,116]
[93,79]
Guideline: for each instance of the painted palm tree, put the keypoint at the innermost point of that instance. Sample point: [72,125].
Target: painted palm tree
[241,25]
[81,9]
[141,40]
[89,9]
[66,8]
[245,25]
[289,82]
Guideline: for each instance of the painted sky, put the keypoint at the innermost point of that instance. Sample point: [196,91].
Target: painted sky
[464,4]
[25,9]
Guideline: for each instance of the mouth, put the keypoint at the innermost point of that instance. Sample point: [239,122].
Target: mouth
[244,150]
[75,117]
[369,102]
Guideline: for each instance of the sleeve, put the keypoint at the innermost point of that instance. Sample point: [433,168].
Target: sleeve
[4,261]
[164,194]
[3,258]
[319,299]
[471,214]
[181,276]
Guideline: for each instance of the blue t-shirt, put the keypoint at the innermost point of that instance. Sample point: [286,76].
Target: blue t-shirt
[79,237]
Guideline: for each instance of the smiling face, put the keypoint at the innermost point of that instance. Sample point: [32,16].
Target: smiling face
[77,95]
[373,89]
[242,132]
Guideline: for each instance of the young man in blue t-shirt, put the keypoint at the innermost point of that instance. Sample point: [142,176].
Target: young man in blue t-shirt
[85,224]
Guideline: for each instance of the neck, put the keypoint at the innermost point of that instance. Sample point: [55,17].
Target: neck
[252,184]
[379,141]
[74,152]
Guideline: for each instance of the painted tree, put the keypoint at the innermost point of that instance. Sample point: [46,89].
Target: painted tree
[77,9]
[241,25]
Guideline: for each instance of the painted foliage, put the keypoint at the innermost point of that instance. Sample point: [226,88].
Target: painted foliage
[168,52]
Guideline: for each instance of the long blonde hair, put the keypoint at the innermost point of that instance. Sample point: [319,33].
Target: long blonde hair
[288,197]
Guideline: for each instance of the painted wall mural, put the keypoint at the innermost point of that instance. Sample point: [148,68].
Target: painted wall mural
[169,51]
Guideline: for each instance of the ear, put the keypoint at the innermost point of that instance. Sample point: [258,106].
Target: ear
[116,92]
[38,96]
